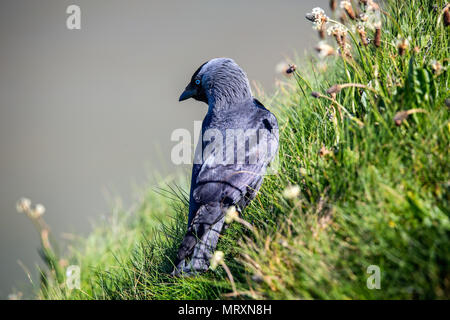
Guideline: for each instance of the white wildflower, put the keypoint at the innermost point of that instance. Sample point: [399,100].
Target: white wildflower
[23,205]
[231,215]
[291,192]
[281,67]
[216,259]
[324,49]
[318,18]
[337,29]
[373,19]
[39,210]
[344,4]
[372,6]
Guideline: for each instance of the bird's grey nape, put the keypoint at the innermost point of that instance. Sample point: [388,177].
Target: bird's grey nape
[224,82]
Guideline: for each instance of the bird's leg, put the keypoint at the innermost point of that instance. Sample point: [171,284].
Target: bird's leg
[200,240]
[185,250]
[205,247]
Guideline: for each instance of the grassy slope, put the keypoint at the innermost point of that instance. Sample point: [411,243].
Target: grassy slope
[380,197]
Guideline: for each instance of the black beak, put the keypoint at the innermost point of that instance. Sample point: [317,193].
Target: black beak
[188,93]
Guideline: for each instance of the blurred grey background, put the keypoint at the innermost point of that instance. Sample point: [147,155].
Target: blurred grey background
[87,113]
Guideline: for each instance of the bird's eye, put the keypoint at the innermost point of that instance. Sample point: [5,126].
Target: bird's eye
[197,82]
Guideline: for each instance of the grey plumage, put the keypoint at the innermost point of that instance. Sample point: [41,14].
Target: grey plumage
[217,184]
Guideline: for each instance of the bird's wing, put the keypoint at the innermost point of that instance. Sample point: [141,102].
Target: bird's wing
[229,183]
[216,186]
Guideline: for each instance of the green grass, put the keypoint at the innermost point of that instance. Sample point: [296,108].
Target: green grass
[377,194]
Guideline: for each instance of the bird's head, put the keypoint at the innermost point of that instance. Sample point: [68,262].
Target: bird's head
[219,81]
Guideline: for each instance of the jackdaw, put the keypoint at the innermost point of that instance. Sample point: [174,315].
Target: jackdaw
[224,174]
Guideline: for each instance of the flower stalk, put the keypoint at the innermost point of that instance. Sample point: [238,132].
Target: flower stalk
[218,259]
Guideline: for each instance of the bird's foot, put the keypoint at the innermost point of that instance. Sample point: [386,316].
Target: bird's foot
[183,270]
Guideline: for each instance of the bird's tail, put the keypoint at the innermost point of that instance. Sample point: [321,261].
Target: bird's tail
[200,240]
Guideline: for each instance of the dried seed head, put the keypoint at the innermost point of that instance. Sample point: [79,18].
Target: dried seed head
[377,39]
[339,32]
[333,5]
[283,68]
[363,2]
[334,89]
[318,18]
[437,67]
[403,115]
[291,192]
[315,94]
[346,50]
[399,117]
[310,17]
[324,152]
[333,96]
[343,17]
[362,34]
[324,49]
[347,6]
[446,15]
[402,46]
[24,205]
[317,12]
[321,32]
[291,69]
